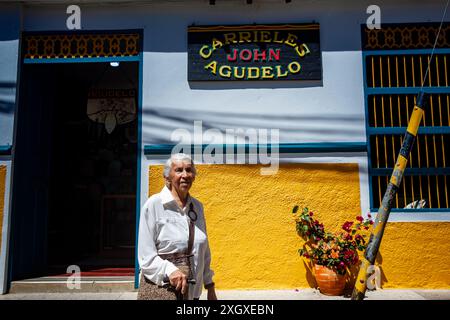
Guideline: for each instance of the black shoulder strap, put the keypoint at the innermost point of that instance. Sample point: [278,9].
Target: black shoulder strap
[191,231]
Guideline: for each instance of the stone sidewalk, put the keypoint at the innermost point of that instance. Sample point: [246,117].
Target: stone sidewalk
[300,294]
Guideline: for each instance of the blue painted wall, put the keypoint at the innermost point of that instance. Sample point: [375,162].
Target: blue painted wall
[9,50]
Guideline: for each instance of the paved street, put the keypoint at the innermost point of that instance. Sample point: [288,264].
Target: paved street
[301,294]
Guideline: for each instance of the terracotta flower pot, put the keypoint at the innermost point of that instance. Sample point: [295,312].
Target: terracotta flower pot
[330,283]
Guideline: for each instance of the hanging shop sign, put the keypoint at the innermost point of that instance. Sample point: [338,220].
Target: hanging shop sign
[254,52]
[111,107]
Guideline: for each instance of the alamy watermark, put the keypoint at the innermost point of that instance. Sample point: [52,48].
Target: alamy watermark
[374,279]
[230,146]
[74,280]
[374,20]
[73,22]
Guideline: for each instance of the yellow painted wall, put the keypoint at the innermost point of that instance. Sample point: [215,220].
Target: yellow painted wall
[252,233]
[416,255]
[2,198]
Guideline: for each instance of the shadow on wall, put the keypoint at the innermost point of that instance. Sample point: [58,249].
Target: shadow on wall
[309,275]
[163,121]
[351,279]
[7,97]
[225,85]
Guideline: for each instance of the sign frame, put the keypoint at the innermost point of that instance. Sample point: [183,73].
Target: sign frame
[254,52]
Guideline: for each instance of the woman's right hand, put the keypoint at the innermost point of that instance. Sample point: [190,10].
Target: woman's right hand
[178,280]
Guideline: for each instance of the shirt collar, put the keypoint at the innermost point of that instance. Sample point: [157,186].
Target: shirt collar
[166,196]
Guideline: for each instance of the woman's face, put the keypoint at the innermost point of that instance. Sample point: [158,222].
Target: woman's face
[181,175]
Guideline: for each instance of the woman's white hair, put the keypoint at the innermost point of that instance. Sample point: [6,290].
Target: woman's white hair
[177,157]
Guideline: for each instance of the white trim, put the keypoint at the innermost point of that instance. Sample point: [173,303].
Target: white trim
[359,158]
[421,216]
[145,177]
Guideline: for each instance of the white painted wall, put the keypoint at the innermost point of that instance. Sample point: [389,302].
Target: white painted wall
[329,112]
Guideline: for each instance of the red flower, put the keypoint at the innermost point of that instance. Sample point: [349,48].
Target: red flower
[347,226]
[337,250]
[349,254]
[369,215]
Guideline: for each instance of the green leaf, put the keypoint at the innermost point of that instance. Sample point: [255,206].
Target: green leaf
[295,209]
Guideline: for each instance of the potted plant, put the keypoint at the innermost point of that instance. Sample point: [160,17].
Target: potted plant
[331,254]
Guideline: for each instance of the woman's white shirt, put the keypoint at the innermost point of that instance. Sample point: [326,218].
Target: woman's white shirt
[164,229]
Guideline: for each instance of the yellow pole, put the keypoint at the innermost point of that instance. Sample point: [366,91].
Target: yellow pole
[389,196]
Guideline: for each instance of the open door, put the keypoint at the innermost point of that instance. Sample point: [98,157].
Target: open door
[32,164]
[75,175]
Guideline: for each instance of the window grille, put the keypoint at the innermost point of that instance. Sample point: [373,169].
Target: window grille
[394,69]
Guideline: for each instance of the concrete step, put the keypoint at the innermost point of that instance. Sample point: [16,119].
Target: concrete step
[64,284]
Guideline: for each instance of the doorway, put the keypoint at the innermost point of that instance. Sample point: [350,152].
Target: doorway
[75,170]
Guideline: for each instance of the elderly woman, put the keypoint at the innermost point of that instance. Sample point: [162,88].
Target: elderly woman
[173,249]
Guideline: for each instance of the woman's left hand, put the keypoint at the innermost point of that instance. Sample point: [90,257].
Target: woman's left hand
[211,294]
